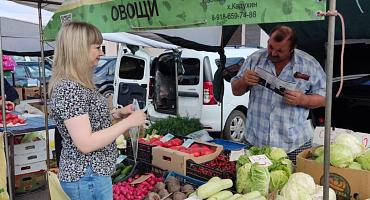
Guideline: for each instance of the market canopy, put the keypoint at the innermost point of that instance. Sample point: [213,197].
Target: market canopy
[19,31]
[112,16]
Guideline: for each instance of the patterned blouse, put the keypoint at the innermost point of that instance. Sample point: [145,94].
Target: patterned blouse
[70,99]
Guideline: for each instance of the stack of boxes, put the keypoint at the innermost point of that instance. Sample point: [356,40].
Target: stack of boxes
[29,165]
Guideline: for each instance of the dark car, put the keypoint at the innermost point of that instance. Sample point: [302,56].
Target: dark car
[28,73]
[104,75]
[350,109]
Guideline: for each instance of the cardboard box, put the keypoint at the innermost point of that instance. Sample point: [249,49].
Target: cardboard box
[29,147]
[173,160]
[20,92]
[347,183]
[29,182]
[31,92]
[33,167]
[24,159]
[319,135]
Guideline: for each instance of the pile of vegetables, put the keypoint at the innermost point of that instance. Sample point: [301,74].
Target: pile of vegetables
[126,191]
[196,149]
[345,152]
[215,189]
[171,189]
[121,172]
[254,177]
[181,126]
[29,137]
[12,120]
[220,166]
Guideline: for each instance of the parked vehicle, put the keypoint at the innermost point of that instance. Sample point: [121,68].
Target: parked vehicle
[131,76]
[353,104]
[27,73]
[104,75]
[195,88]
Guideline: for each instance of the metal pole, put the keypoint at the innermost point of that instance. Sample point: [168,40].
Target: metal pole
[177,55]
[45,95]
[5,129]
[329,84]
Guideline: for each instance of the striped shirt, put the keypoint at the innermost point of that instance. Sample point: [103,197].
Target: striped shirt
[271,121]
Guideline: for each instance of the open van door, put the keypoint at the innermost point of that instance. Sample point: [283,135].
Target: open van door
[189,88]
[131,77]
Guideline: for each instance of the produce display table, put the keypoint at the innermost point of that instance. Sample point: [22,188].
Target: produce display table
[32,124]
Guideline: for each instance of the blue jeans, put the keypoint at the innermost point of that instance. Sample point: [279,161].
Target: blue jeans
[89,187]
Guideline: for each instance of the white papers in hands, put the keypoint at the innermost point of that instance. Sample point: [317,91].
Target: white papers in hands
[273,83]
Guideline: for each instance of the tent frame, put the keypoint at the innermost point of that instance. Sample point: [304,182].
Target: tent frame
[329,71]
[10,166]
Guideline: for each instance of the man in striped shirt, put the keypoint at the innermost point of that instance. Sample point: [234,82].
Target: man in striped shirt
[277,116]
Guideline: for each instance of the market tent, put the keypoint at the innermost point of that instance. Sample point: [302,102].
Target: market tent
[164,18]
[21,36]
[19,30]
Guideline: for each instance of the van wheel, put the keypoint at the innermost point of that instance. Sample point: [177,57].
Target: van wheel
[108,93]
[235,126]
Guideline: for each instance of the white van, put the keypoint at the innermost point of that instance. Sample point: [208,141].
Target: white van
[195,97]
[131,76]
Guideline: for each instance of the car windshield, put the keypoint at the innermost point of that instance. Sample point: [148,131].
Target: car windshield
[34,70]
[101,63]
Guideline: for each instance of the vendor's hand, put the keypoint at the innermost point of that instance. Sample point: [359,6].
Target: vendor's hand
[9,105]
[136,118]
[251,78]
[294,98]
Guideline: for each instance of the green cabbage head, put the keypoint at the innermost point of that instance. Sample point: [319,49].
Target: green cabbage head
[340,155]
[260,179]
[356,147]
[364,160]
[243,179]
[278,179]
[277,153]
[355,165]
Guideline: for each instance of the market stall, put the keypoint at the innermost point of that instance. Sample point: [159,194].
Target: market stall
[227,185]
[20,35]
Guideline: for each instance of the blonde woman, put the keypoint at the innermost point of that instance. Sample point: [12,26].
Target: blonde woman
[82,115]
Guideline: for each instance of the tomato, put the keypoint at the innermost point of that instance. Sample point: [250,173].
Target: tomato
[15,121]
[177,141]
[157,143]
[207,151]
[21,121]
[196,154]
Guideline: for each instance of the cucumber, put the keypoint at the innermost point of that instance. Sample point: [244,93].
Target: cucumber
[120,165]
[126,170]
[119,178]
[116,173]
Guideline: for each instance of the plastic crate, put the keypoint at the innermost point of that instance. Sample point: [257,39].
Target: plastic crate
[229,145]
[185,179]
[203,172]
[144,152]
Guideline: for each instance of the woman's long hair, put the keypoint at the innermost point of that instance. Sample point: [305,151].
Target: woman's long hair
[71,55]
